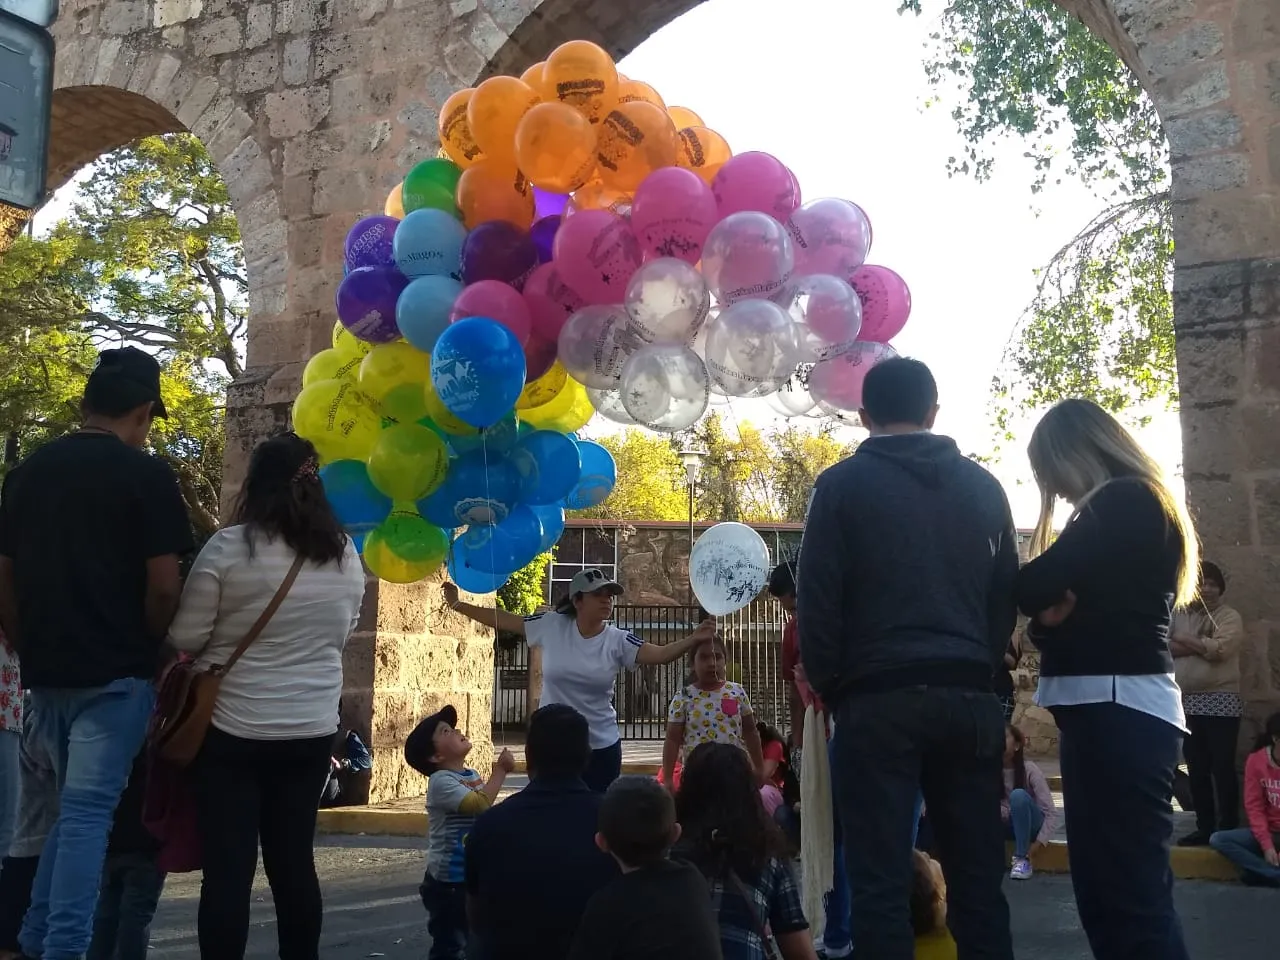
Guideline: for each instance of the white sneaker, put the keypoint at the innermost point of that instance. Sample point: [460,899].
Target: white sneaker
[1021,869]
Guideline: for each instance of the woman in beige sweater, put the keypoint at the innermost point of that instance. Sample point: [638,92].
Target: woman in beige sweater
[1205,643]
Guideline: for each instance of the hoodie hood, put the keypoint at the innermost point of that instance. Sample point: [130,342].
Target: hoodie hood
[927,457]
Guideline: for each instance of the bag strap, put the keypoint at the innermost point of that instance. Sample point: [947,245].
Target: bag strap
[265,617]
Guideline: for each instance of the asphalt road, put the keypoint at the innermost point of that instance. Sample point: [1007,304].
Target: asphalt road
[372,910]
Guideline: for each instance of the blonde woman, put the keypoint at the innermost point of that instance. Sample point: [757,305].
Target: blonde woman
[1101,599]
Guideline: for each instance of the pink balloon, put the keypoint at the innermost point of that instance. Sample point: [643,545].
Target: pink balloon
[831,236]
[756,181]
[550,301]
[596,253]
[672,213]
[886,302]
[837,381]
[795,185]
[497,301]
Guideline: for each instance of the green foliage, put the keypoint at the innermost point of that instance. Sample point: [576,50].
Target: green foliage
[525,592]
[651,484]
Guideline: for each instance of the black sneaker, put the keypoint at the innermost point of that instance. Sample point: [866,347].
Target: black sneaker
[1197,839]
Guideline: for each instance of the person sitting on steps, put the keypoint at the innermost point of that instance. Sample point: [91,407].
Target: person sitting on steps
[1254,849]
[1027,809]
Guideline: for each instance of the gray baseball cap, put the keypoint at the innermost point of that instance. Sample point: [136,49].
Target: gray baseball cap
[588,581]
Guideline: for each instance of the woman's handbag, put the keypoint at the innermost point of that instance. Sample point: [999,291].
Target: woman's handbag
[184,704]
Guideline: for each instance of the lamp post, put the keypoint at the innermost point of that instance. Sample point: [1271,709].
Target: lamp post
[692,458]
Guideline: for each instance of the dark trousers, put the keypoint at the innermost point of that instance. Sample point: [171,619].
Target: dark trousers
[1117,779]
[948,744]
[16,877]
[251,790]
[131,888]
[1210,753]
[446,905]
[604,767]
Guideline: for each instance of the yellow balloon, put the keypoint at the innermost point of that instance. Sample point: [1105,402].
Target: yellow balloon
[347,343]
[408,462]
[445,420]
[578,416]
[330,365]
[544,416]
[392,376]
[336,417]
[543,390]
[394,206]
[385,564]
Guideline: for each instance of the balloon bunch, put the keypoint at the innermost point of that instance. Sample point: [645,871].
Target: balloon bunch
[577,247]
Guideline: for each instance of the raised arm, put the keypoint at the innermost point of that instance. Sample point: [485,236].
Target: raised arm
[654,653]
[502,620]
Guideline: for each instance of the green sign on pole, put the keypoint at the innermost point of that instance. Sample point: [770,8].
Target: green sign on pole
[26,98]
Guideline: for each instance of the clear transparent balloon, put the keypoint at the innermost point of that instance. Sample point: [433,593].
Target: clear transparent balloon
[837,381]
[668,301]
[595,343]
[747,255]
[751,349]
[608,403]
[828,316]
[793,399]
[831,236]
[665,387]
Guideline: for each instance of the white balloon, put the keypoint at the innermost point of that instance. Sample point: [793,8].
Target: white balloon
[594,345]
[793,398]
[728,568]
[751,348]
[668,301]
[608,404]
[665,387]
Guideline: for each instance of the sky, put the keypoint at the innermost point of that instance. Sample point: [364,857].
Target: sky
[836,90]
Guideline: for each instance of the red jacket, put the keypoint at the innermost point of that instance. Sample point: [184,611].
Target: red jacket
[1262,796]
[793,669]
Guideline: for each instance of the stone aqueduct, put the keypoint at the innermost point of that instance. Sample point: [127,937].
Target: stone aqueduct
[313,108]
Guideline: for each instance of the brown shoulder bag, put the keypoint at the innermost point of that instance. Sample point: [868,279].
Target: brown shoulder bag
[184,704]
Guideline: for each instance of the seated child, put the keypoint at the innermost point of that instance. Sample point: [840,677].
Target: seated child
[657,909]
[711,709]
[781,790]
[929,910]
[456,795]
[1255,849]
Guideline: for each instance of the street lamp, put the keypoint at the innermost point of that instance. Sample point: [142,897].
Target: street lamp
[692,458]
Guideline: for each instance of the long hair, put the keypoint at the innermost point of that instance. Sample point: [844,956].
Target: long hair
[723,822]
[1270,733]
[283,497]
[1077,448]
[1019,757]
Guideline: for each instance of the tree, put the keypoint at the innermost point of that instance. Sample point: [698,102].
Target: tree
[651,483]
[525,592]
[1101,323]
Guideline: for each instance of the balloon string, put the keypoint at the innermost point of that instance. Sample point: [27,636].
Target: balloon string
[488,497]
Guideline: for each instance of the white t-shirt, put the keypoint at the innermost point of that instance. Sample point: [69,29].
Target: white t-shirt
[579,671]
[287,684]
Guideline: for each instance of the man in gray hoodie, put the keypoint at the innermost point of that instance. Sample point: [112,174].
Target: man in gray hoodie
[905,604]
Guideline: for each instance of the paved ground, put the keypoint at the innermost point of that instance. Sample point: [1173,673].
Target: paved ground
[372,910]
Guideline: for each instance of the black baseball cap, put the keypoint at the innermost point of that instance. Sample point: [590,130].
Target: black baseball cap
[123,380]
[420,745]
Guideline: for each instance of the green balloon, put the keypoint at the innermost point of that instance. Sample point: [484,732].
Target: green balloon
[408,462]
[432,183]
[411,538]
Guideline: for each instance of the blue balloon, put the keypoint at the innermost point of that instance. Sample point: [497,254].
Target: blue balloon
[549,466]
[354,498]
[482,489]
[477,370]
[428,242]
[552,517]
[498,439]
[468,577]
[599,475]
[438,507]
[422,312]
[508,545]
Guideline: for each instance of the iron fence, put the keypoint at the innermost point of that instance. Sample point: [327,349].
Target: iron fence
[753,640]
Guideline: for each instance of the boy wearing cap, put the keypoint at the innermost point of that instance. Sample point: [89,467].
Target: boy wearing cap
[456,795]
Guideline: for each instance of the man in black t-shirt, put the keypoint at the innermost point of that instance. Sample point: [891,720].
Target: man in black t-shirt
[91,529]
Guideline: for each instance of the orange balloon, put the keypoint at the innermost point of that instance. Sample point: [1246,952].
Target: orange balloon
[632,90]
[684,117]
[455,130]
[533,77]
[703,151]
[556,147]
[636,139]
[394,207]
[582,75]
[494,112]
[490,190]
[596,196]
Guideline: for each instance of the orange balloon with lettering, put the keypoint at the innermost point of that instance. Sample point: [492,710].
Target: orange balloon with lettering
[556,147]
[636,139]
[494,112]
[596,196]
[582,75]
[632,90]
[394,207]
[533,77]
[456,138]
[703,151]
[490,190]
[684,117]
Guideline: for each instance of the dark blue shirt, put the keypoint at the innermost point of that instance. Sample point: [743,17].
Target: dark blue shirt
[531,866]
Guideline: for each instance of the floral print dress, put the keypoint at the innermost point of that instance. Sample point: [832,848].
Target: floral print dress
[711,716]
[10,688]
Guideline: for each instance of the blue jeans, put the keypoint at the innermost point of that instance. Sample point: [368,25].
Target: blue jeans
[604,767]
[10,741]
[1025,820]
[1241,848]
[131,888]
[93,736]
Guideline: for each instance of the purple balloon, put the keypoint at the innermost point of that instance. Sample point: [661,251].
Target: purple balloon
[366,303]
[498,250]
[369,242]
[548,204]
[544,235]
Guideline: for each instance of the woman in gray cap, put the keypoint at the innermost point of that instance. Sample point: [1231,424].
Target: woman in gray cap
[581,653]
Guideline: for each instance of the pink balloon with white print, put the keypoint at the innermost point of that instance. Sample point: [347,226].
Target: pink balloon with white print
[886,302]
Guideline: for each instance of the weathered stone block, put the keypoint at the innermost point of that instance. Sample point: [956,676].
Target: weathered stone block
[124,16]
[1198,176]
[1203,133]
[1197,43]
[258,71]
[486,36]
[303,16]
[1256,27]
[1266,504]
[1262,436]
[346,190]
[1212,440]
[248,173]
[1211,366]
[258,25]
[1273,153]
[1225,504]
[214,37]
[291,112]
[463,60]
[169,12]
[297,61]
